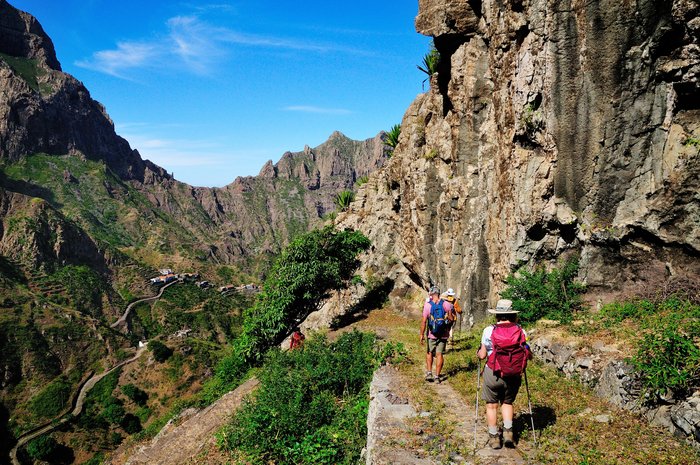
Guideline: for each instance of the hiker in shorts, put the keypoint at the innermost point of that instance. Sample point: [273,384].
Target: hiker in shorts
[496,387]
[437,343]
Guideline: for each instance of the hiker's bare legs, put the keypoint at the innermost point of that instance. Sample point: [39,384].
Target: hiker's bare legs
[492,415]
[429,361]
[438,364]
[507,413]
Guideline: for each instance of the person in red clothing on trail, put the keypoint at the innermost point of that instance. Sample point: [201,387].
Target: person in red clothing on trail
[297,339]
[438,316]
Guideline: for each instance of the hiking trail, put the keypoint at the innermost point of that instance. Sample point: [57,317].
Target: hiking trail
[397,432]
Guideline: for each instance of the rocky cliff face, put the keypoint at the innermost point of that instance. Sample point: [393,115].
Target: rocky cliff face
[550,128]
[45,110]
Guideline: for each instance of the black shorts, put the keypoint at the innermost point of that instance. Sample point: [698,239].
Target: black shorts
[495,389]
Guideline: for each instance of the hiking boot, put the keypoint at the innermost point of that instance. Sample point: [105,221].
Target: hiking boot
[508,438]
[494,441]
[438,379]
[429,376]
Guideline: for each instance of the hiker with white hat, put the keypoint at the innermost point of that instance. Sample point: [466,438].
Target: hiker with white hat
[451,297]
[505,348]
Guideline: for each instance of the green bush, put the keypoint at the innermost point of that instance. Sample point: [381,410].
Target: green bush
[616,312]
[311,406]
[361,180]
[114,412]
[344,199]
[668,359]
[541,294]
[42,448]
[161,352]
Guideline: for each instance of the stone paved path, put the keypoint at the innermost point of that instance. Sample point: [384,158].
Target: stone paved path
[391,413]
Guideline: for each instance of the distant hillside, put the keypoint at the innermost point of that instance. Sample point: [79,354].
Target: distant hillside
[59,145]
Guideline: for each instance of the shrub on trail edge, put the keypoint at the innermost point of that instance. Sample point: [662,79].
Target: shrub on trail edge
[667,355]
[540,294]
[311,406]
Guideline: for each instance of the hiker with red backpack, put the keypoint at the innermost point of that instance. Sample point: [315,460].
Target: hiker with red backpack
[438,317]
[505,348]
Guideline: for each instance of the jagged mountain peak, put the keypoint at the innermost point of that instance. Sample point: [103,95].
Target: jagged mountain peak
[21,35]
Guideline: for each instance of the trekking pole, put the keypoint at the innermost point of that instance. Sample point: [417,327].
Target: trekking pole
[476,411]
[529,404]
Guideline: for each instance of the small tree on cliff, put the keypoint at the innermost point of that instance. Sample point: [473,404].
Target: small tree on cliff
[392,137]
[431,60]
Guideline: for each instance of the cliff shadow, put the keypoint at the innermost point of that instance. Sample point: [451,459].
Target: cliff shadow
[373,299]
[28,189]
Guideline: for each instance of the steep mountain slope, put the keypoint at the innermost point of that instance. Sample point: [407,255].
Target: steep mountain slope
[550,128]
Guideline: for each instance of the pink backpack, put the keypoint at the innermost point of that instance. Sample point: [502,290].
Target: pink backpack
[510,352]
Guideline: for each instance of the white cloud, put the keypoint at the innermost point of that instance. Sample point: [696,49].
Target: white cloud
[319,110]
[127,55]
[194,45]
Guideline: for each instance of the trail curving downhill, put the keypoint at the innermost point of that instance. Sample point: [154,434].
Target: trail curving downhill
[77,409]
[87,386]
[122,319]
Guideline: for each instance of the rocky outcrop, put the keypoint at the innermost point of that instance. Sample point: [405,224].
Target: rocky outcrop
[21,35]
[45,110]
[550,128]
[603,369]
[39,236]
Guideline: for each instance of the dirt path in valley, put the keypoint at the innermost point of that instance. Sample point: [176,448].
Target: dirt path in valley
[77,410]
[125,315]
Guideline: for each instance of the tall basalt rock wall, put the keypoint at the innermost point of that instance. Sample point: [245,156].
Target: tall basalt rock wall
[550,128]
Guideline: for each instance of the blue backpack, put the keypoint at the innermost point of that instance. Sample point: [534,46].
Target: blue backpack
[438,323]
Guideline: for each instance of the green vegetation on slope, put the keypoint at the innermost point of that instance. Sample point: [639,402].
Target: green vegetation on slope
[663,335]
[311,406]
[29,70]
[112,212]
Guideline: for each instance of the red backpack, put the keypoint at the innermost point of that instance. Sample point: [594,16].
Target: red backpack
[510,352]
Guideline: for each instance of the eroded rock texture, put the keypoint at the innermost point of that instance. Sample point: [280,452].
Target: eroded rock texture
[551,127]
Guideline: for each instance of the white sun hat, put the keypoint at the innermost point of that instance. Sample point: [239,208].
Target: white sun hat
[503,307]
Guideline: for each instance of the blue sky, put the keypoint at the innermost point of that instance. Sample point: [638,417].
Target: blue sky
[212,90]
